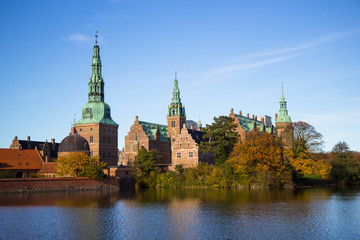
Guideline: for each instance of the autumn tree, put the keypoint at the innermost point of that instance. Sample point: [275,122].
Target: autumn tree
[258,160]
[220,139]
[303,157]
[80,165]
[345,168]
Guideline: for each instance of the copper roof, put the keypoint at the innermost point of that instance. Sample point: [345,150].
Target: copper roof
[20,159]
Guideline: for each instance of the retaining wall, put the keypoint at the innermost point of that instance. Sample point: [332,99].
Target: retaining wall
[57,184]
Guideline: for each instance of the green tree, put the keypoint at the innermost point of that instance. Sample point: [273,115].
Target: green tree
[220,139]
[258,160]
[145,167]
[80,165]
[345,168]
[6,174]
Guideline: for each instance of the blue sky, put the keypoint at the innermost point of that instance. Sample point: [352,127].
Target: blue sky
[228,54]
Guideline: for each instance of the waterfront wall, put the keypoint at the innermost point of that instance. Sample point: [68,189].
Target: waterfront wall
[57,184]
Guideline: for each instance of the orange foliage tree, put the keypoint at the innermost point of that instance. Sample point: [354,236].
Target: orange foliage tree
[258,160]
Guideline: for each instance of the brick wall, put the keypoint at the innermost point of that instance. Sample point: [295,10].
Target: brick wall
[55,183]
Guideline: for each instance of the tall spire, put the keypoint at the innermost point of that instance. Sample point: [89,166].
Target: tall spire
[176,107]
[96,81]
[283,112]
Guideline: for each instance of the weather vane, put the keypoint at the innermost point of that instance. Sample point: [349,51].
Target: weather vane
[96,36]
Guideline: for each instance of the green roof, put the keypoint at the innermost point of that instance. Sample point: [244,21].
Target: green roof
[248,124]
[96,112]
[150,130]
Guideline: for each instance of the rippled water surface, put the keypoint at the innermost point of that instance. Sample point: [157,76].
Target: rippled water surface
[184,214]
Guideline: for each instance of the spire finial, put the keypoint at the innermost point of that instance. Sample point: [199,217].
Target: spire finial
[96,36]
[175,74]
[282,90]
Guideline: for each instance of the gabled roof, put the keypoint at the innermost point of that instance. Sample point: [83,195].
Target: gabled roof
[54,147]
[13,159]
[248,124]
[196,135]
[150,130]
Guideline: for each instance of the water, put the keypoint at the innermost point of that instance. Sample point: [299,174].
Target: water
[184,214]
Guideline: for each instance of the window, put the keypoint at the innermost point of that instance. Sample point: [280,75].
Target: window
[188,144]
[178,155]
[91,139]
[172,123]
[180,144]
[191,154]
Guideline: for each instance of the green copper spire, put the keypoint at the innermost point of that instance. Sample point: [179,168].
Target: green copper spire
[283,112]
[96,110]
[96,82]
[176,107]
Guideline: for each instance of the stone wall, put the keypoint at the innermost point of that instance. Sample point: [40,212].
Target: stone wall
[57,184]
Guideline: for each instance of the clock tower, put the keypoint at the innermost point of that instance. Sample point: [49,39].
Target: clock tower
[96,124]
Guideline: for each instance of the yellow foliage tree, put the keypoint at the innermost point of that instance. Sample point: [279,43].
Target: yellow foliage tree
[307,165]
[259,160]
[79,164]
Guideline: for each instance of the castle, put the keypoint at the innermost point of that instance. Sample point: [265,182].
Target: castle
[177,142]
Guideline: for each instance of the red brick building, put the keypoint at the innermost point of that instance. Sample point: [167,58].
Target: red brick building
[96,124]
[185,149]
[47,150]
[165,139]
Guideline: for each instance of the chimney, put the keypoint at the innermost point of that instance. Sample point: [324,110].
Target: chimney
[184,125]
[15,137]
[262,119]
[53,140]
[253,116]
[247,115]
[73,130]
[36,148]
[136,118]
[240,113]
[28,138]
[232,111]
[192,127]
[275,117]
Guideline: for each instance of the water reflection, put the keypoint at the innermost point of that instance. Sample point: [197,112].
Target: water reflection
[324,213]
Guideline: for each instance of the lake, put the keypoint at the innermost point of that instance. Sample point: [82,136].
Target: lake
[316,213]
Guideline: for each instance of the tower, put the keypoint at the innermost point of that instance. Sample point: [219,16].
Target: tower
[96,125]
[283,124]
[176,117]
